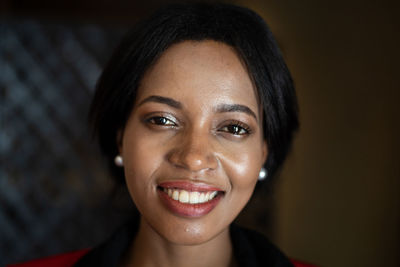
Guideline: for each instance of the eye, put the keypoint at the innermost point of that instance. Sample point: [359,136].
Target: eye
[163,121]
[236,128]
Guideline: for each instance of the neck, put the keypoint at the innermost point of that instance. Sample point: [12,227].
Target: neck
[150,249]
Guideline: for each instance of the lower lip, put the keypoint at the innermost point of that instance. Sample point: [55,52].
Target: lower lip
[187,209]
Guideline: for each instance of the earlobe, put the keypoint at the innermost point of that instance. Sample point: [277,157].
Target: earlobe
[264,152]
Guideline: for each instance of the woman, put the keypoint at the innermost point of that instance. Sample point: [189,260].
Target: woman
[195,106]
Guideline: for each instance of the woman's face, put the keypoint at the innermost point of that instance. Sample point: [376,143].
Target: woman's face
[193,145]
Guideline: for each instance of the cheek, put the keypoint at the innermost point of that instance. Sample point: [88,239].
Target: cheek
[243,162]
[243,176]
[142,158]
[242,165]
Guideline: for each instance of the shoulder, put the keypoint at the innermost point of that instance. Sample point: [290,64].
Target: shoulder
[62,260]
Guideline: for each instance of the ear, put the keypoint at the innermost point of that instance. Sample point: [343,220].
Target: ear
[119,139]
[264,151]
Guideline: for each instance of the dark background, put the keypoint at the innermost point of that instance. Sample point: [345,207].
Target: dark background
[337,202]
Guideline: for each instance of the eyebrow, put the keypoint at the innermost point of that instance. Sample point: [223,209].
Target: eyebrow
[163,100]
[235,108]
[178,105]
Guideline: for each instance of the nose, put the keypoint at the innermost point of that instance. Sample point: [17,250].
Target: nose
[193,151]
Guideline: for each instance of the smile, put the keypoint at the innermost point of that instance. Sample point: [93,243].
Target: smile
[188,199]
[184,196]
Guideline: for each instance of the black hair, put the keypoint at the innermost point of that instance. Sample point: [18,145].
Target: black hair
[236,26]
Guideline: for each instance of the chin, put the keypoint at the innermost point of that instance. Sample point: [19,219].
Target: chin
[188,232]
[193,235]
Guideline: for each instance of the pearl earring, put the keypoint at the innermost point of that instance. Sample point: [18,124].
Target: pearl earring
[119,161]
[263,174]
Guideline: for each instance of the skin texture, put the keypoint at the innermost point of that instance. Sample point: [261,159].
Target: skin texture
[194,139]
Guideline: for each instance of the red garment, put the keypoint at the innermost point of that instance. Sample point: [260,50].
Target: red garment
[62,260]
[301,264]
[69,259]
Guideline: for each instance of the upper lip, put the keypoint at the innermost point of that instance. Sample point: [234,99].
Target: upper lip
[189,186]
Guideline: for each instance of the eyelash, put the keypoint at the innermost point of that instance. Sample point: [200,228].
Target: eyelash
[153,120]
[233,127]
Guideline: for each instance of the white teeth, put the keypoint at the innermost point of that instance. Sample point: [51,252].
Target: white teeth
[184,196]
[202,198]
[213,194]
[175,195]
[194,197]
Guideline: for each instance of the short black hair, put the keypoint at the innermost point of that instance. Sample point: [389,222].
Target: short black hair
[238,27]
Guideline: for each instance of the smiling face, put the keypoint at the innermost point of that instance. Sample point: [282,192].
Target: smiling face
[193,144]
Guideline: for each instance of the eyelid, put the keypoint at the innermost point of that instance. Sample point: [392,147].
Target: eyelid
[158,114]
[240,124]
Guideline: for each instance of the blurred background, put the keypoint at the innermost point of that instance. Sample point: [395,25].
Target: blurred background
[337,200]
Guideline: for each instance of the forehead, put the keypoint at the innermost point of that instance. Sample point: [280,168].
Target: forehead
[208,71]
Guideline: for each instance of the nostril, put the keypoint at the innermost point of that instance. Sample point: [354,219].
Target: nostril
[193,159]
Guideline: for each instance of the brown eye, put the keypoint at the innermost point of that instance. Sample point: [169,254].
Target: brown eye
[235,129]
[161,121]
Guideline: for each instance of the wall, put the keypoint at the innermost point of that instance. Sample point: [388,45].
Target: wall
[338,201]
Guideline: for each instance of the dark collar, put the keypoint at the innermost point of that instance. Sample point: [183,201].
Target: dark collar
[250,248]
